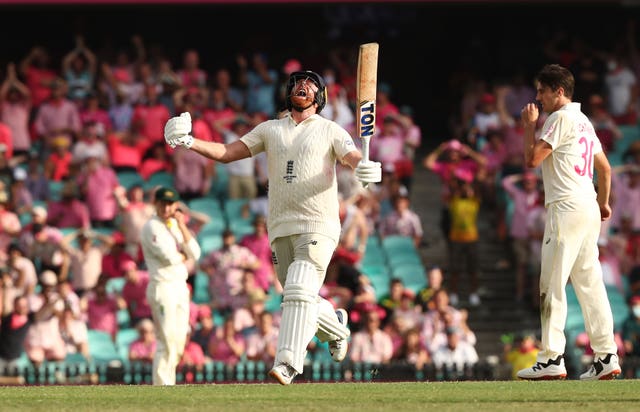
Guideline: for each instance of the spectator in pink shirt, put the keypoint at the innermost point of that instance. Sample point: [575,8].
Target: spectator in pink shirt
[371,344]
[402,220]
[69,211]
[126,149]
[113,261]
[143,349]
[258,244]
[134,292]
[192,173]
[90,144]
[625,182]
[22,271]
[151,115]
[15,108]
[92,112]
[226,345]
[134,211]
[10,225]
[57,116]
[522,190]
[226,268]
[97,184]
[262,342]
[156,159]
[36,70]
[193,359]
[85,265]
[101,309]
[190,74]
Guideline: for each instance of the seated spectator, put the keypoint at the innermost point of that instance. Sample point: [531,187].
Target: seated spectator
[413,350]
[371,344]
[424,298]
[90,144]
[226,268]
[226,345]
[134,292]
[46,249]
[58,165]
[57,117]
[245,318]
[9,225]
[126,149]
[91,112]
[393,299]
[435,320]
[631,329]
[70,211]
[143,349]
[74,333]
[456,354]
[402,220]
[520,354]
[101,309]
[21,200]
[263,342]
[258,243]
[193,359]
[37,182]
[155,159]
[44,341]
[85,260]
[14,325]
[203,334]
[406,315]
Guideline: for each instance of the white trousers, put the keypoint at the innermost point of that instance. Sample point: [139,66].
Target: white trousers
[169,302]
[569,251]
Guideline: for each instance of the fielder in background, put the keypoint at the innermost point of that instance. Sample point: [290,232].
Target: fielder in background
[568,151]
[302,149]
[166,244]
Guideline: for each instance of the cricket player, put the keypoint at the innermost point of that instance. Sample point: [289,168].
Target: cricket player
[568,151]
[303,224]
[166,244]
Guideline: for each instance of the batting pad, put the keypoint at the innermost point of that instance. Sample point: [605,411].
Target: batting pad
[329,329]
[299,314]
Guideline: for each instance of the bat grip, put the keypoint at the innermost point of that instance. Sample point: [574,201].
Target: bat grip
[365,153]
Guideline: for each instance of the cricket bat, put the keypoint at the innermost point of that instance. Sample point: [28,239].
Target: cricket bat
[367,79]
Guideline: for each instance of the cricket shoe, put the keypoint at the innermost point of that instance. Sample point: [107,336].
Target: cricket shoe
[283,373]
[338,348]
[551,370]
[603,369]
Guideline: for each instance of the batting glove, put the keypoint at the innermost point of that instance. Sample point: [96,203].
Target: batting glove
[369,172]
[177,129]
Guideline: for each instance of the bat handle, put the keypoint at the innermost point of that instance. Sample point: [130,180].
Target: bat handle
[365,153]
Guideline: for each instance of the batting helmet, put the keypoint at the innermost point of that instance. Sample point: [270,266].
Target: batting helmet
[321,96]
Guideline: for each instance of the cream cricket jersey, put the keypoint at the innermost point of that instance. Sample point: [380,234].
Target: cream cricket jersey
[161,245]
[568,172]
[301,160]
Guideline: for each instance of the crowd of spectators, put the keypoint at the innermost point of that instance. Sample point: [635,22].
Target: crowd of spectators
[71,130]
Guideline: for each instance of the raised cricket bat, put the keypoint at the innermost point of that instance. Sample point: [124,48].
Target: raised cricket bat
[366,94]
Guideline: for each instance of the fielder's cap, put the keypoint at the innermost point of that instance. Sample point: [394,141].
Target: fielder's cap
[167,194]
[48,278]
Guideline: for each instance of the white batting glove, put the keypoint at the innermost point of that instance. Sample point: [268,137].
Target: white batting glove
[369,172]
[177,129]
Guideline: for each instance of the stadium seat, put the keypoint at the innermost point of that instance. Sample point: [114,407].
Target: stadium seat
[233,210]
[124,338]
[241,228]
[413,275]
[210,241]
[201,288]
[405,256]
[220,185]
[55,189]
[208,206]
[101,347]
[115,285]
[129,179]
[161,178]
[394,243]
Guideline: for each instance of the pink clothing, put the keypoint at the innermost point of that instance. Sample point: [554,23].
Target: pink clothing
[37,81]
[9,226]
[57,115]
[223,352]
[61,165]
[102,314]
[6,138]
[261,248]
[100,116]
[72,214]
[192,355]
[407,224]
[376,348]
[122,154]
[135,294]
[16,116]
[257,345]
[99,186]
[523,203]
[189,170]
[225,116]
[388,149]
[151,120]
[140,350]
[627,199]
[226,269]
[85,267]
[112,264]
[151,166]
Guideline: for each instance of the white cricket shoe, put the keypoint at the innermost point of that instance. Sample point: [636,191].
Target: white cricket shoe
[552,369]
[283,373]
[603,369]
[338,348]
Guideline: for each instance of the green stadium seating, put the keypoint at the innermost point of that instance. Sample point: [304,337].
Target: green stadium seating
[101,347]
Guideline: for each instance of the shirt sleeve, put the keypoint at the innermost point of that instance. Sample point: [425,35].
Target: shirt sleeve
[255,139]
[341,140]
[554,129]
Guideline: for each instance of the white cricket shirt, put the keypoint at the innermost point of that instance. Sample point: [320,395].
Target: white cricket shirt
[301,166]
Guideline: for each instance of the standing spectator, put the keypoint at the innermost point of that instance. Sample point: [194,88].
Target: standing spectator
[371,344]
[464,207]
[192,174]
[523,192]
[15,109]
[79,70]
[486,118]
[144,348]
[91,111]
[10,225]
[36,181]
[21,200]
[402,220]
[388,147]
[14,325]
[606,128]
[85,260]
[219,116]
[135,210]
[74,333]
[120,113]
[354,232]
[150,115]
[58,164]
[260,83]
[126,149]
[134,292]
[35,68]
[242,173]
[22,271]
[168,245]
[97,184]
[42,245]
[116,257]
[621,90]
[575,211]
[385,106]
[190,74]
[155,160]
[626,196]
[90,144]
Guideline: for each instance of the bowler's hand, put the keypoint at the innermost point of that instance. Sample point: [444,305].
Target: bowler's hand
[529,114]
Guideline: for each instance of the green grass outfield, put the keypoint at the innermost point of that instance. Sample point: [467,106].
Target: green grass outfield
[563,396]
